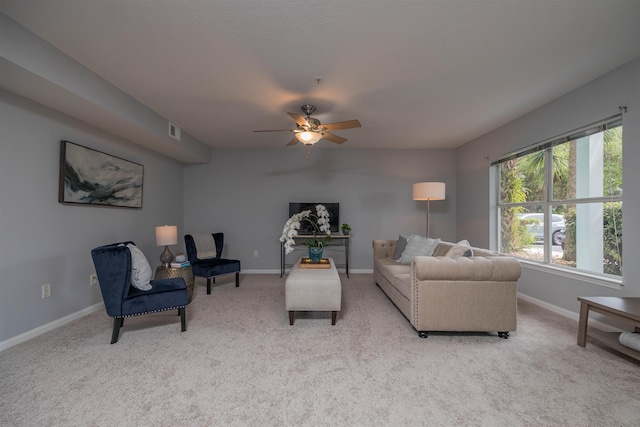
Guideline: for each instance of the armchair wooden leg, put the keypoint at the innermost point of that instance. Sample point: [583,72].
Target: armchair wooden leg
[208,285]
[183,319]
[237,279]
[117,324]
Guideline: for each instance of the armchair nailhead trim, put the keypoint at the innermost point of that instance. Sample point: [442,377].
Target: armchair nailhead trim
[152,311]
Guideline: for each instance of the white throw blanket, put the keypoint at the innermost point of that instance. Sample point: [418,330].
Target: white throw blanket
[205,245]
[631,340]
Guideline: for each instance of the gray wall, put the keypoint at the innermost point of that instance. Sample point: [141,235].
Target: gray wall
[246,194]
[596,100]
[42,241]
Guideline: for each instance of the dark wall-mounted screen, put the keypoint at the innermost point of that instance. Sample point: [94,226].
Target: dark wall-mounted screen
[305,227]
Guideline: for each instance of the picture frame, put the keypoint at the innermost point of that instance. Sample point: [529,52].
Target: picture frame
[91,177]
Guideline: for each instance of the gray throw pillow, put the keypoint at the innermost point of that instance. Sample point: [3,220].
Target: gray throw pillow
[418,246]
[400,246]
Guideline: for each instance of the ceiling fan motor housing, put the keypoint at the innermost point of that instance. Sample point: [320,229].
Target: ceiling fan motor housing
[308,109]
[312,124]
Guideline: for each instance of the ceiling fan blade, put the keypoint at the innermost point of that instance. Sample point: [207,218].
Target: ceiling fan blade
[275,130]
[349,124]
[333,138]
[294,141]
[299,119]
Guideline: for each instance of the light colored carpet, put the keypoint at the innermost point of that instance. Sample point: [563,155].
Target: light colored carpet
[240,363]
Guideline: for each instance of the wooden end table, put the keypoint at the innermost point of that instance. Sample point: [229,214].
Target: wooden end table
[174,272]
[624,309]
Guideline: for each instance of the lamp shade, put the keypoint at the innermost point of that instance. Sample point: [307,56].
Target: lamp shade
[308,138]
[166,235]
[428,191]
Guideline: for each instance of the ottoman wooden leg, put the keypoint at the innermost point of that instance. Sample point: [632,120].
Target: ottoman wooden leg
[333,317]
[291,317]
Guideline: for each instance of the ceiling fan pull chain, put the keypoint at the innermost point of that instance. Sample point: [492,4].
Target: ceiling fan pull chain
[308,153]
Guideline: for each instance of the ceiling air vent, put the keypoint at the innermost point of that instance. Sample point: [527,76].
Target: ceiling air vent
[174,131]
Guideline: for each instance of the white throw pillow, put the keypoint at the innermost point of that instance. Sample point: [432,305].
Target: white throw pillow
[418,246]
[460,249]
[140,269]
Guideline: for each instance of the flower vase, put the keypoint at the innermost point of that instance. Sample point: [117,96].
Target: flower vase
[315,255]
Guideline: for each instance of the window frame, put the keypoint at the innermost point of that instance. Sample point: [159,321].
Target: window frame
[548,202]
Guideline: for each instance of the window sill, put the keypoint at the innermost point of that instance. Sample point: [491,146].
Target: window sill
[606,281]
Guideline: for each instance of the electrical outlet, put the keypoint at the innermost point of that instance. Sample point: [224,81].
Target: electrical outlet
[93,279]
[255,254]
[46,290]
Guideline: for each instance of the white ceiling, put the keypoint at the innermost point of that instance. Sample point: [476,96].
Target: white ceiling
[416,73]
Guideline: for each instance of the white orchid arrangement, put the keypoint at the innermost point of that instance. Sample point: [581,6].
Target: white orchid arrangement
[319,225]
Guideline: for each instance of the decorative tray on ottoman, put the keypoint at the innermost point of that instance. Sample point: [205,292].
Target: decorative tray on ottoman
[306,263]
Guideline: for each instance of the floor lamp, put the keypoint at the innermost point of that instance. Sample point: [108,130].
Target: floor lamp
[428,191]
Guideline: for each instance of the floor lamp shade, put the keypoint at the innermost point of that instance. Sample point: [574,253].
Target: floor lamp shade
[428,191]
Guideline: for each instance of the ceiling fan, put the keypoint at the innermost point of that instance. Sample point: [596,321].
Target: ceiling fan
[309,129]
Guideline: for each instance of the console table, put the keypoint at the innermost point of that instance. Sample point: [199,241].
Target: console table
[337,240]
[624,309]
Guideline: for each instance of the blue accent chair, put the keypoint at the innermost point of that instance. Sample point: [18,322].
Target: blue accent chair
[211,267]
[113,268]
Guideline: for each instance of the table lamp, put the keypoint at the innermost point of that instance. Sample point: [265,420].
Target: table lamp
[166,235]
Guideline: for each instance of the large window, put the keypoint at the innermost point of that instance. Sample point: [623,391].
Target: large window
[560,201]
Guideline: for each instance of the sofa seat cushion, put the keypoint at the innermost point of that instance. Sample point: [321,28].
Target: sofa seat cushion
[399,275]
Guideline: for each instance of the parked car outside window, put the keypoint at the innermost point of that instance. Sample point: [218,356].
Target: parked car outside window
[535,226]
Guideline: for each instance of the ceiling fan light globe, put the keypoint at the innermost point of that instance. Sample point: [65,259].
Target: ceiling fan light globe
[308,138]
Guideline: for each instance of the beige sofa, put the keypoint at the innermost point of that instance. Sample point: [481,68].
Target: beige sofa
[438,293]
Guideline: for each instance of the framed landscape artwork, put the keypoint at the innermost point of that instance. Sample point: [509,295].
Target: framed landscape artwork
[90,177]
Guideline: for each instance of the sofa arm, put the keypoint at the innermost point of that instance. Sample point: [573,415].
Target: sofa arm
[495,268]
[384,248]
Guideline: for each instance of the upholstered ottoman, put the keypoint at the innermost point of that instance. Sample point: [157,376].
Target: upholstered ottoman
[313,289]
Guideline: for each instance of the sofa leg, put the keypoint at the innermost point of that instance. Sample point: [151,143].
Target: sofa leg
[237,279]
[208,285]
[334,314]
[504,335]
[291,317]
[183,319]
[117,324]
[423,334]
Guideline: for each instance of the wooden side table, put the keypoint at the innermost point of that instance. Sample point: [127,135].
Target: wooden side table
[624,309]
[174,272]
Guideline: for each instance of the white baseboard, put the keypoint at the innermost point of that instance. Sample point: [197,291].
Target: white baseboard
[567,313]
[49,326]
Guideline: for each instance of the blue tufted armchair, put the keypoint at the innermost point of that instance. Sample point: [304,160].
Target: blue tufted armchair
[121,299]
[211,265]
